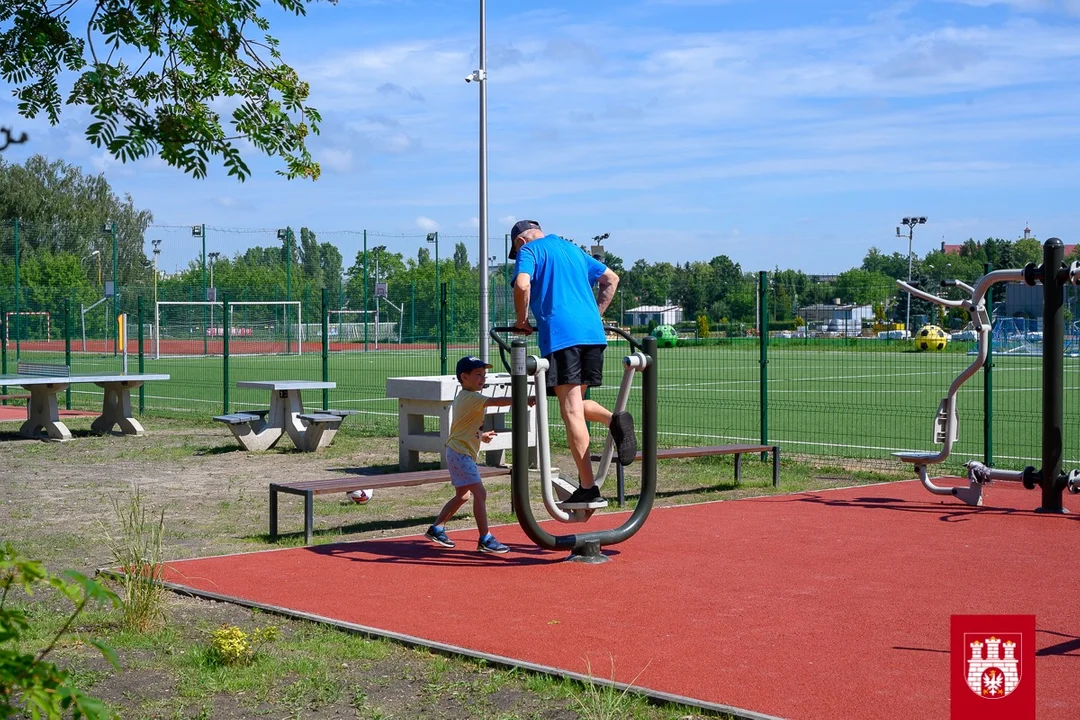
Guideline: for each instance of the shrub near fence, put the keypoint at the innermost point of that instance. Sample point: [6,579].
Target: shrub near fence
[834,397]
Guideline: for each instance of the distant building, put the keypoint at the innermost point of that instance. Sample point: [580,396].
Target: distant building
[836,317]
[661,314]
[1021,300]
[949,249]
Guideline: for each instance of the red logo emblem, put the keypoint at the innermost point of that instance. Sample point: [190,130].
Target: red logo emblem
[993,667]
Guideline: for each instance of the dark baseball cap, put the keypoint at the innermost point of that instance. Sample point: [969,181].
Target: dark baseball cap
[470,363]
[519,227]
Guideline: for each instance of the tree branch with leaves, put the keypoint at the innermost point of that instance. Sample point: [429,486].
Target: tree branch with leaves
[152,74]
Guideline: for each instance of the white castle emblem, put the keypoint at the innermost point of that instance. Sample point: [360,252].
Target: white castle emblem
[995,673]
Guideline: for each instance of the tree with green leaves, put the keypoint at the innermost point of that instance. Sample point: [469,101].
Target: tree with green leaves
[153,75]
[60,209]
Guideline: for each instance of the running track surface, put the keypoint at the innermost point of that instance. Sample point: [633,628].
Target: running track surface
[17,413]
[831,604]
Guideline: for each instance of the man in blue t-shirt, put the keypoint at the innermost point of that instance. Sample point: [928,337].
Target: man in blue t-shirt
[554,279]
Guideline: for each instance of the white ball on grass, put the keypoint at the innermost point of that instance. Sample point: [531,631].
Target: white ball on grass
[361,496]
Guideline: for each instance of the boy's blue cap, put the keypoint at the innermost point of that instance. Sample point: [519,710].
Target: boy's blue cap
[470,363]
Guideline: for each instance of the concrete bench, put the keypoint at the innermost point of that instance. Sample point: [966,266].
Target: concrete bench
[321,429]
[361,481]
[691,452]
[340,413]
[236,418]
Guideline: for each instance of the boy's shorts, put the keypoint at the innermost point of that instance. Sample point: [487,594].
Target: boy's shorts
[463,469]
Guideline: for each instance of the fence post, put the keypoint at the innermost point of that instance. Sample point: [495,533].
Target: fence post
[3,348]
[325,347]
[67,347]
[226,329]
[18,332]
[988,384]
[204,298]
[412,312]
[365,294]
[442,329]
[763,343]
[142,357]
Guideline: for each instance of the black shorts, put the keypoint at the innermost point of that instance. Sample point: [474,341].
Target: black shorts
[576,365]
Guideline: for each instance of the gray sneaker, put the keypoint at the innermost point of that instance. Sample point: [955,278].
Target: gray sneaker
[491,545]
[438,537]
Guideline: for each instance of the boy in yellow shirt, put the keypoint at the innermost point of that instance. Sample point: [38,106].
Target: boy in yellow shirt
[462,449]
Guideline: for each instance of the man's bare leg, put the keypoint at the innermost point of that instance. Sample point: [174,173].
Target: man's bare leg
[576,410]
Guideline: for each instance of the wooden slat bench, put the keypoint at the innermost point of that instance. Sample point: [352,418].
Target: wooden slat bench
[310,488]
[691,452]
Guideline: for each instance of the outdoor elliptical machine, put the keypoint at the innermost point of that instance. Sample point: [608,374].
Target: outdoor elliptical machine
[1054,276]
[584,547]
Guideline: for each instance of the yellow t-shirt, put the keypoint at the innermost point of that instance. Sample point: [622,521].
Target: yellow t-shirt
[468,419]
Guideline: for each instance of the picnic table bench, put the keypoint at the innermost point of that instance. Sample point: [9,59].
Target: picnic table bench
[258,430]
[691,452]
[359,481]
[45,382]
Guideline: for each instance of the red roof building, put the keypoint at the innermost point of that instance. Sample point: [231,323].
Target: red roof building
[955,249]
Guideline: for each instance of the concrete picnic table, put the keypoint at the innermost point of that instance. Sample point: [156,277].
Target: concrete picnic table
[433,396]
[286,407]
[43,408]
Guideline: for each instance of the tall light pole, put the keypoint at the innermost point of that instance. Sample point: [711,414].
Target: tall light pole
[157,251]
[433,237]
[213,256]
[378,249]
[98,253]
[480,77]
[910,223]
[597,250]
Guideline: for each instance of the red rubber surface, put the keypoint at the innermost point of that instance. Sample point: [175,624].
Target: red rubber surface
[17,413]
[819,605]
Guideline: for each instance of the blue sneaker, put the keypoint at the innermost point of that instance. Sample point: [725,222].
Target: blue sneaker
[439,537]
[491,545]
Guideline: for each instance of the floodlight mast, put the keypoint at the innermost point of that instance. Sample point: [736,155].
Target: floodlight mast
[910,223]
[480,78]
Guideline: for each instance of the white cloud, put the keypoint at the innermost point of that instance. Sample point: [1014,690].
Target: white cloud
[427,224]
[336,159]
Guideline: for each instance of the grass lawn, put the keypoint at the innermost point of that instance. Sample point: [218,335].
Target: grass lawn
[828,399]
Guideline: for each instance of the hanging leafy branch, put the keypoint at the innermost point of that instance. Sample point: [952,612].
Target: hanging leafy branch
[152,73]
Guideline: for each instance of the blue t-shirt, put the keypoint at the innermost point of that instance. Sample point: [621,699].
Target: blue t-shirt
[561,298]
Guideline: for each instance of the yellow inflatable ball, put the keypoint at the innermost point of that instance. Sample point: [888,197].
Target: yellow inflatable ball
[931,337]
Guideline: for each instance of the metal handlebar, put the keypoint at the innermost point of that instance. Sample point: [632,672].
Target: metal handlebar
[505,346]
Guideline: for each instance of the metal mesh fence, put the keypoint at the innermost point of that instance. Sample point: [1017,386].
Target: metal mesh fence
[833,374]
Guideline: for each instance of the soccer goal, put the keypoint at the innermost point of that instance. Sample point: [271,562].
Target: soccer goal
[31,326]
[255,327]
[357,326]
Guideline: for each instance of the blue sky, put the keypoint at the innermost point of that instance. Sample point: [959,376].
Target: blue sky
[780,133]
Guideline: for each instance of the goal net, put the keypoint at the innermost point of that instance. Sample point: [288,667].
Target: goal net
[357,326]
[255,327]
[27,325]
